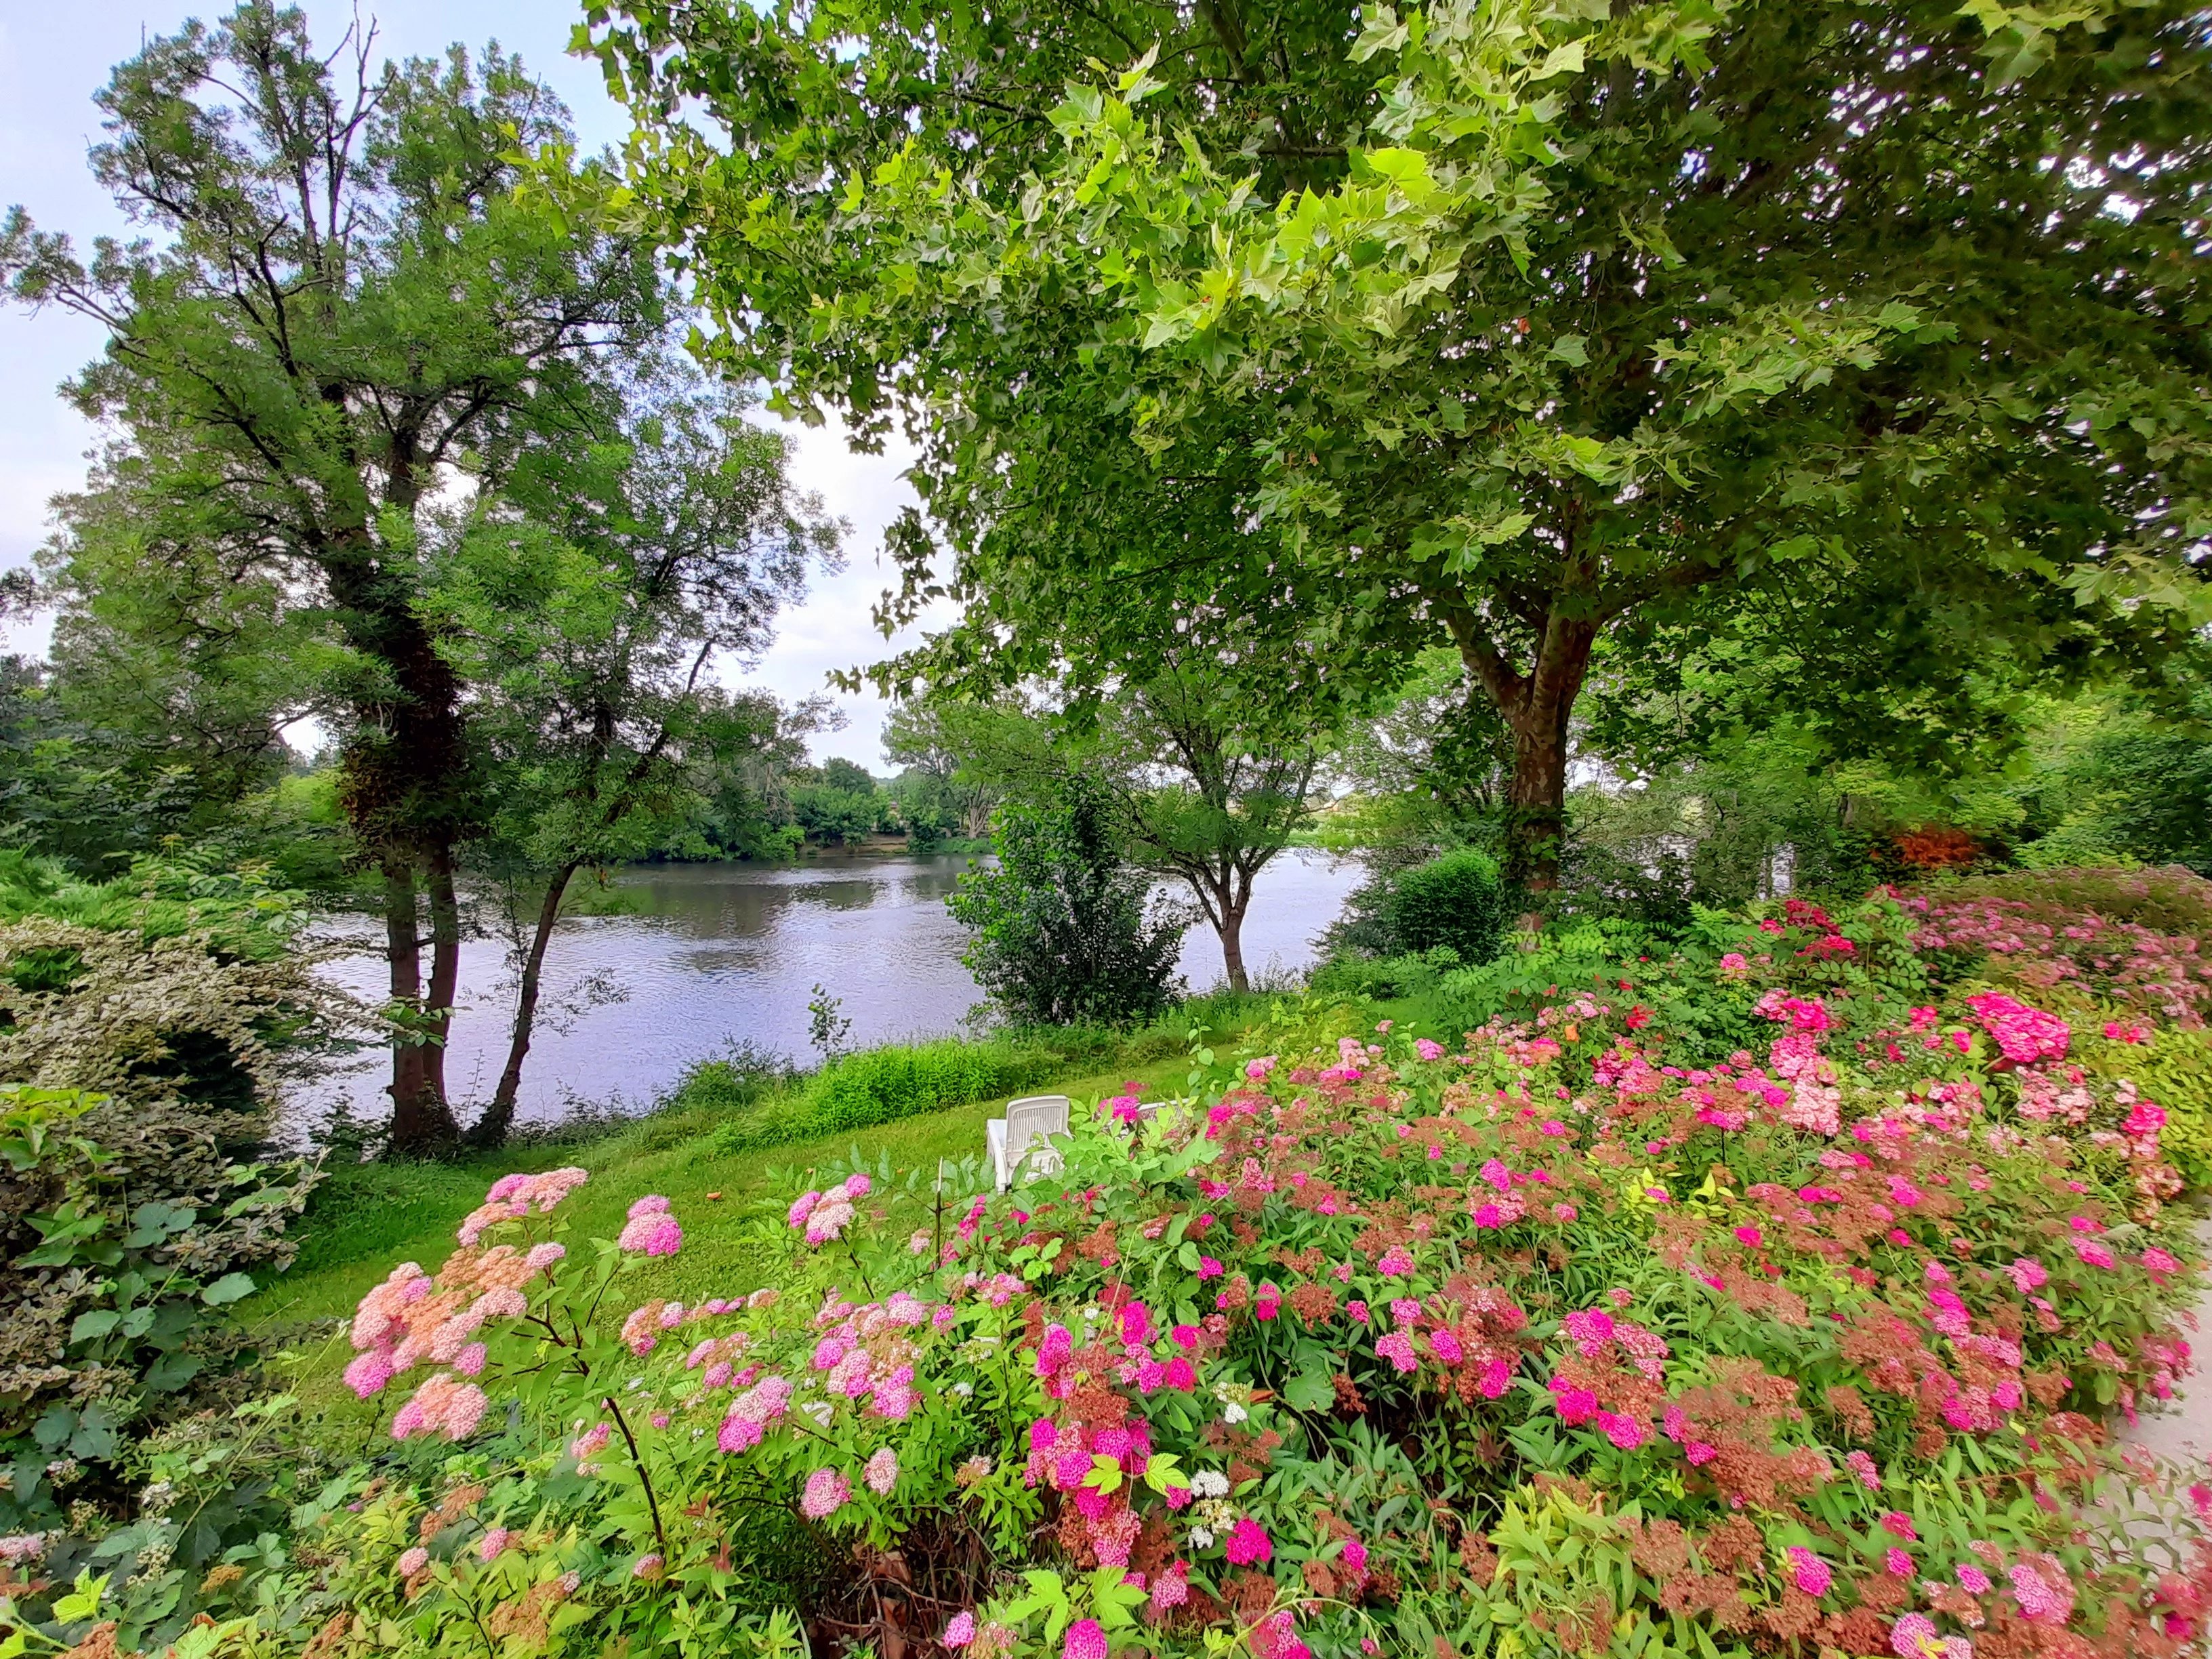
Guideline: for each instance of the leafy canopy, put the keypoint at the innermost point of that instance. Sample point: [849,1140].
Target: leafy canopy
[1508,323]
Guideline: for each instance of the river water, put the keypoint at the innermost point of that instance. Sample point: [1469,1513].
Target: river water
[718,952]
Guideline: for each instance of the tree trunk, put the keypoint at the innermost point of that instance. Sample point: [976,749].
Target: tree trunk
[491,1129]
[403,789]
[1536,801]
[419,1118]
[445,971]
[1230,927]
[1536,706]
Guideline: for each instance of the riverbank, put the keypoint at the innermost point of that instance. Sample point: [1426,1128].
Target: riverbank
[687,958]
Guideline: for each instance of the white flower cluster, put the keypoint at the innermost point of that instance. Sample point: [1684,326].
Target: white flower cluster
[1209,1482]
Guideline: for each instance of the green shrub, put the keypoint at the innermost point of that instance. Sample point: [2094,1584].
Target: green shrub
[138,1074]
[1514,983]
[127,1234]
[1064,931]
[2174,1070]
[735,1081]
[1385,977]
[1455,901]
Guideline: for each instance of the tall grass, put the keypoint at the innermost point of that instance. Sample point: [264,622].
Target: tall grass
[861,1090]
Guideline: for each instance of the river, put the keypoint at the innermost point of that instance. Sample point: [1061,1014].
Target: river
[718,952]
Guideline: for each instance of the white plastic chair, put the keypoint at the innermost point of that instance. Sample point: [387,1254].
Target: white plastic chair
[1023,1136]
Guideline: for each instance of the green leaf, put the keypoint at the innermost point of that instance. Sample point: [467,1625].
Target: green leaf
[98,1323]
[1560,60]
[1406,170]
[1380,31]
[1570,349]
[1310,1391]
[231,1287]
[171,1372]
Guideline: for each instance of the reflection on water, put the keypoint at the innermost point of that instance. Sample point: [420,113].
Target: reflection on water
[724,952]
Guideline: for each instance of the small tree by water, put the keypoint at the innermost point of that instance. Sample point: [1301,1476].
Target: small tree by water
[1062,931]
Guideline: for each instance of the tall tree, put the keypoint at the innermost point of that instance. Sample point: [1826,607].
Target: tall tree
[946,741]
[587,609]
[1509,324]
[341,310]
[1212,787]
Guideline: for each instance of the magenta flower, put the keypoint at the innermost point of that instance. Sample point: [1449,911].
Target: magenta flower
[1086,1639]
[2045,1598]
[1913,1637]
[651,1231]
[960,1630]
[1398,1349]
[1248,1543]
[1623,1430]
[1813,1576]
[369,1373]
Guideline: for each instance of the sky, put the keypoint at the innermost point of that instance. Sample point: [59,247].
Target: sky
[53,58]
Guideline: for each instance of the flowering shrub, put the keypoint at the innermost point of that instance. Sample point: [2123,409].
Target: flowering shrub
[1507,1305]
[1567,1337]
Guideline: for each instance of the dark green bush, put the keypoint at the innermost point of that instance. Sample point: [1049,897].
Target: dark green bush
[1383,977]
[735,1081]
[1455,902]
[878,1086]
[1064,932]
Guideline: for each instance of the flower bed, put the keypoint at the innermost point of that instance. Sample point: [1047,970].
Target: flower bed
[1536,1343]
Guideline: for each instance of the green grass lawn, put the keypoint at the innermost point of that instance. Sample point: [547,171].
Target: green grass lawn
[371,1216]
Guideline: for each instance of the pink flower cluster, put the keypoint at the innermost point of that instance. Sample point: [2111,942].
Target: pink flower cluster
[823,1216]
[641,1330]
[411,1319]
[513,1197]
[750,1412]
[1062,1456]
[2024,1035]
[651,1229]
[443,1405]
[827,1492]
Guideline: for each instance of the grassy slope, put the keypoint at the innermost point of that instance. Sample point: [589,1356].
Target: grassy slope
[379,1215]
